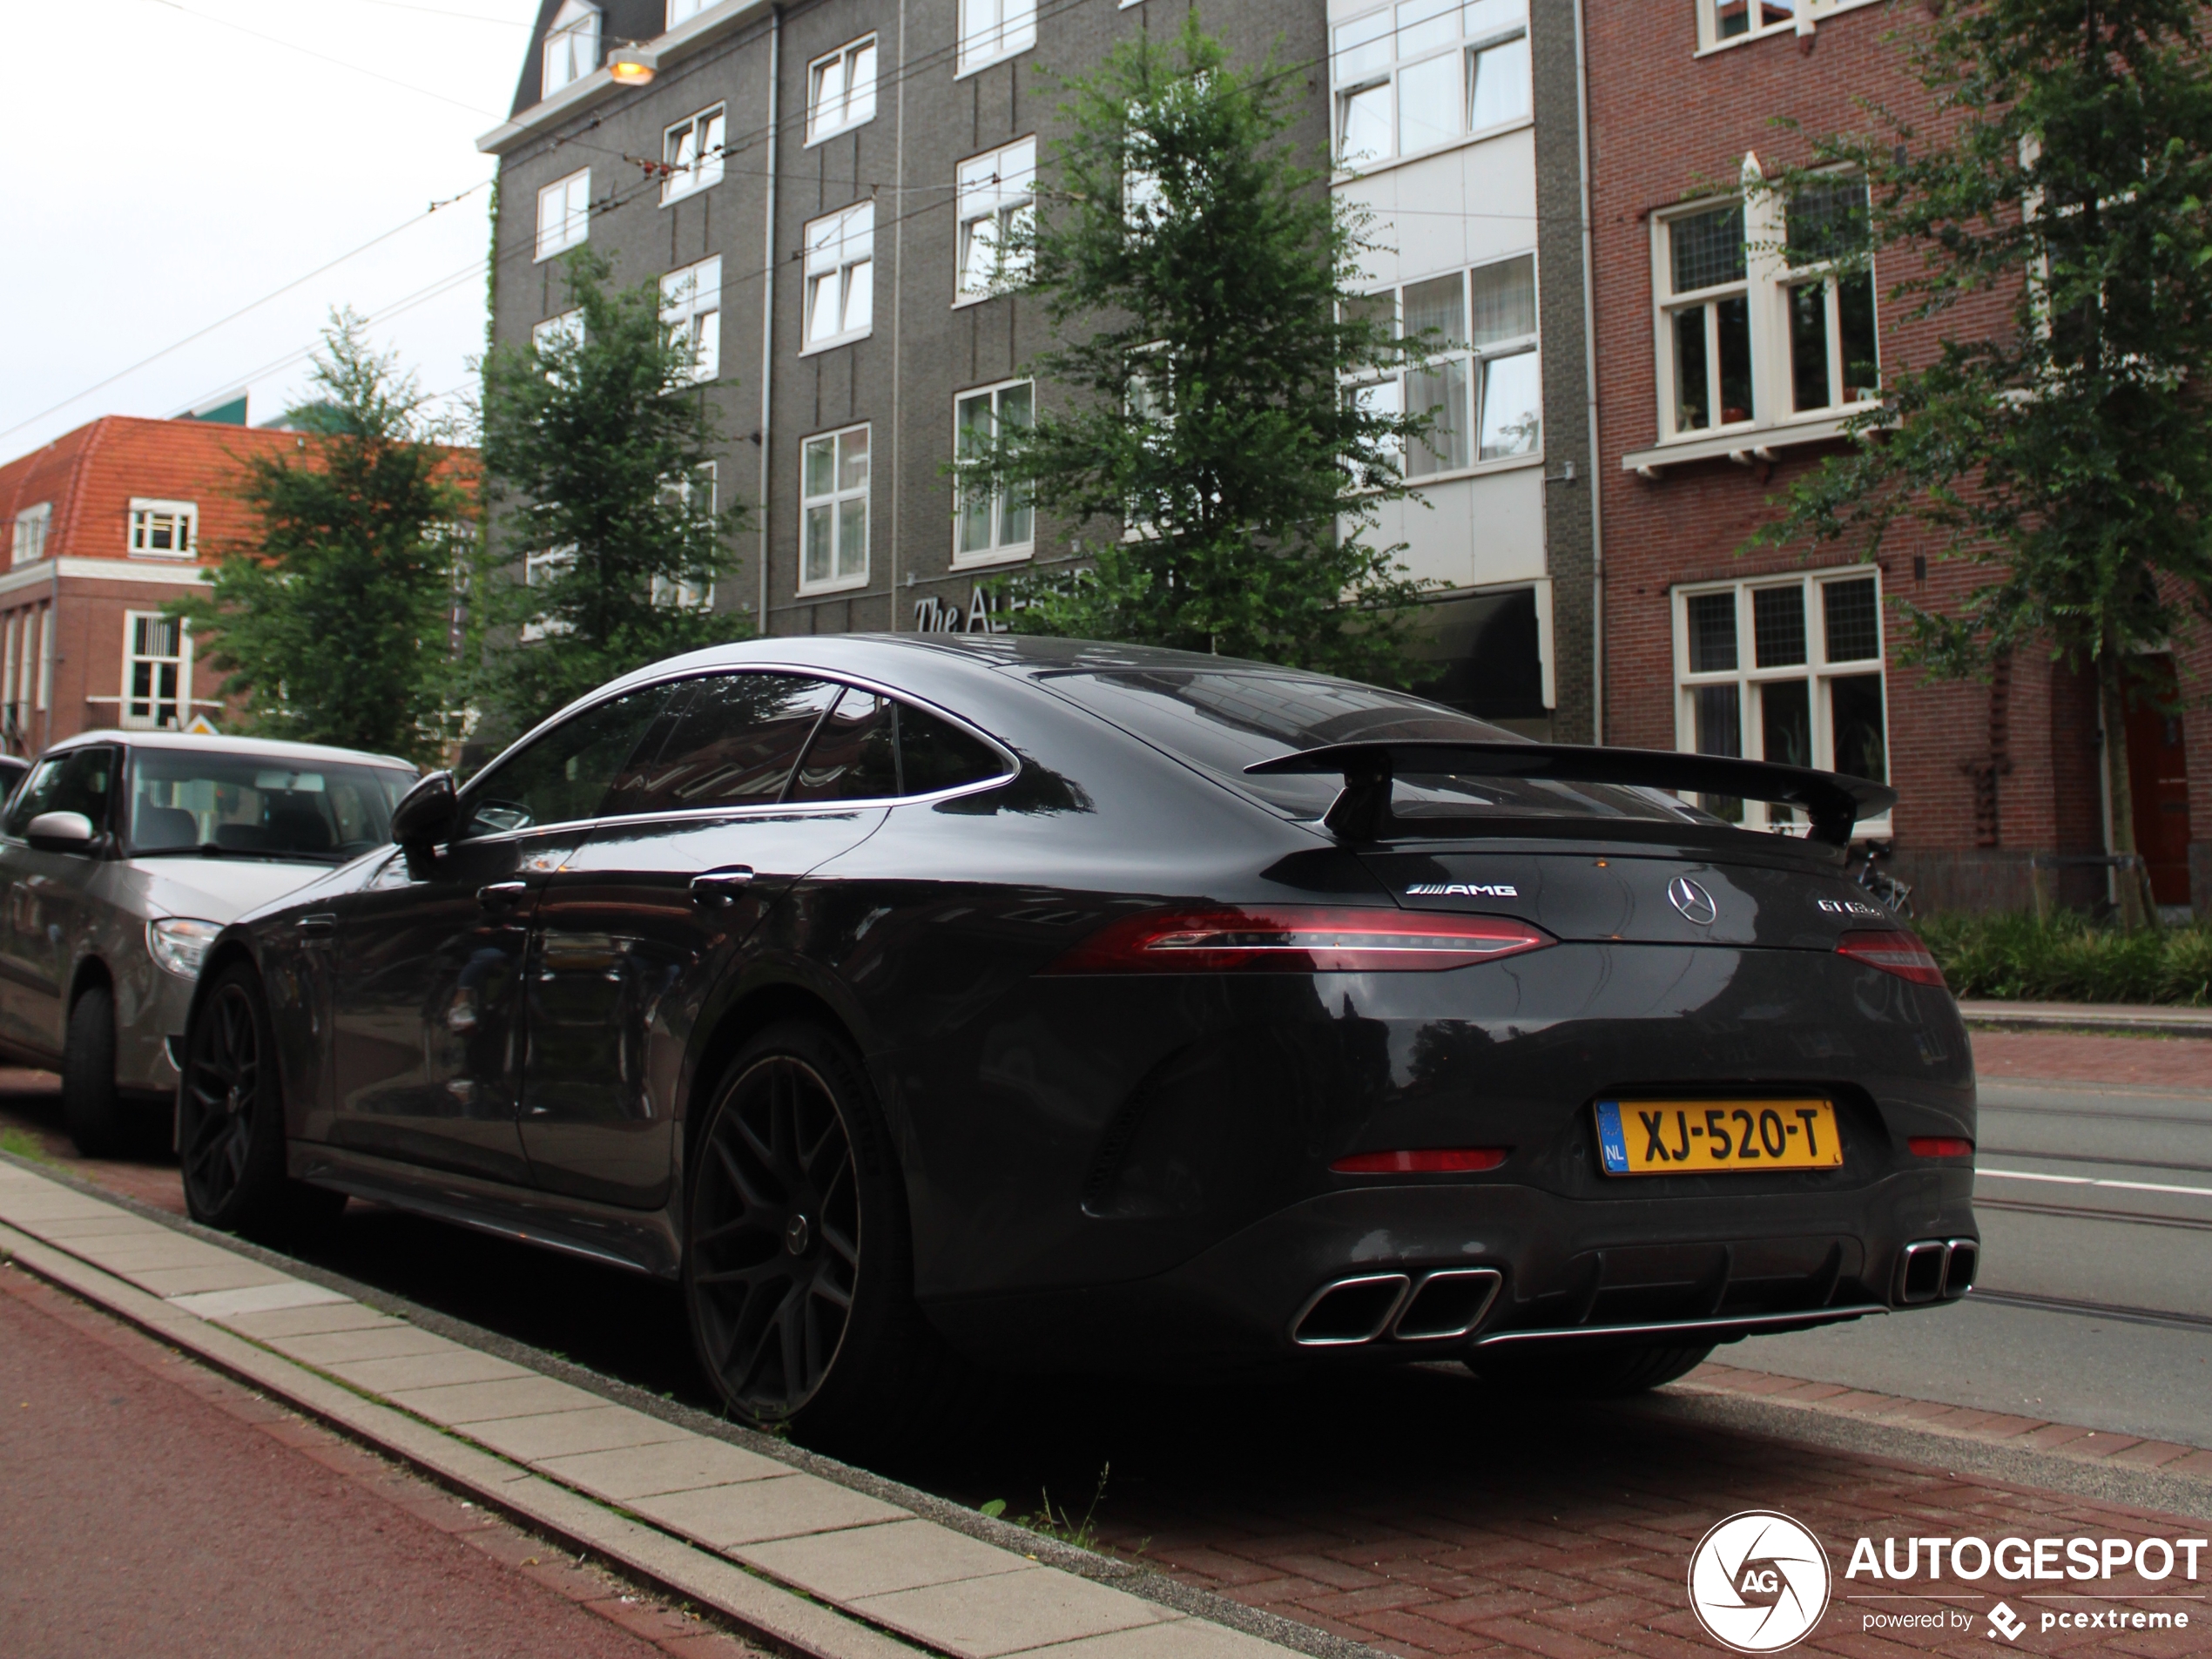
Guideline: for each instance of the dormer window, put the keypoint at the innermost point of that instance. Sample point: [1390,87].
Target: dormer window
[571,46]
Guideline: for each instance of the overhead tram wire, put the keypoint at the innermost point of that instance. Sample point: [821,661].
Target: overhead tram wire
[178,345]
[309,51]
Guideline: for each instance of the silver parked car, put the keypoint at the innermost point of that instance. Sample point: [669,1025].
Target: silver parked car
[122,854]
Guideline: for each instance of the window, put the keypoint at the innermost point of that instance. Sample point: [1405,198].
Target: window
[25,674]
[997,198]
[157,672]
[1786,669]
[1422,73]
[834,509]
[571,47]
[874,748]
[563,332]
[1720,23]
[995,525]
[31,525]
[732,742]
[840,90]
[685,10]
[841,277]
[564,214]
[990,29]
[696,495]
[181,800]
[1484,384]
[563,777]
[1766,310]
[691,309]
[77,780]
[163,530]
[691,153]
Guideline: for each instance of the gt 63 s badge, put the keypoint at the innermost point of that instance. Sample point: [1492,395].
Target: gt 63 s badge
[1758,1582]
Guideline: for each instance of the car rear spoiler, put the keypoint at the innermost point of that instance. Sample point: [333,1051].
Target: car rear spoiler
[1833,802]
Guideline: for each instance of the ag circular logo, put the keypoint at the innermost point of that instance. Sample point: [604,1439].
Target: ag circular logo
[1692,900]
[1758,1582]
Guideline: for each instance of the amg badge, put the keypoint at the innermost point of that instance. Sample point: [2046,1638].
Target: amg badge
[1464,890]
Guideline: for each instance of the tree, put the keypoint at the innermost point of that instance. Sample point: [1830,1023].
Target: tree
[2063,182]
[333,617]
[598,443]
[1206,287]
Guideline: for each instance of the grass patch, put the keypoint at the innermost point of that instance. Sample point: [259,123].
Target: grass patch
[2067,958]
[23,1144]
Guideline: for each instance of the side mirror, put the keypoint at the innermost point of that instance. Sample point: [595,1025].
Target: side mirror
[60,833]
[427,814]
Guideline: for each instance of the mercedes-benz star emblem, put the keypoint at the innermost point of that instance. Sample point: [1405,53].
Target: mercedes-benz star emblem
[1692,900]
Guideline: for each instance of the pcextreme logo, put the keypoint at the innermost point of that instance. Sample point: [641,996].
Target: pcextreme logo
[1758,1582]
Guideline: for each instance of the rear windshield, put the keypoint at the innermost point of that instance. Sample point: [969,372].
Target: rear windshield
[193,802]
[1222,720]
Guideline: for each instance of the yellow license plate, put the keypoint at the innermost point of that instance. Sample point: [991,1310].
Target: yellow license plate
[1705,1137]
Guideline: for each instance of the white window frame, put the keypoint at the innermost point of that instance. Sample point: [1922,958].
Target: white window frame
[699,491]
[1789,18]
[995,193]
[571,49]
[854,65]
[691,154]
[833,508]
[1394,392]
[563,215]
[567,325]
[839,249]
[691,309]
[1764,287]
[998,548]
[179,702]
[1373,52]
[685,10]
[151,518]
[993,30]
[1818,673]
[33,525]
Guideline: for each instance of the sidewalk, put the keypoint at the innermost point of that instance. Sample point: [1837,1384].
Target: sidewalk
[2114,1019]
[798,1561]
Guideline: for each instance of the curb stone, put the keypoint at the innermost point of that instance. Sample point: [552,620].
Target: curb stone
[173,1324]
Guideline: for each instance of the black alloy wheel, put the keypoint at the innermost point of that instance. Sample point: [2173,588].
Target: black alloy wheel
[776,1237]
[230,1118]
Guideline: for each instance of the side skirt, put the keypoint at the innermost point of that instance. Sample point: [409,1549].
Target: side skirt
[640,1240]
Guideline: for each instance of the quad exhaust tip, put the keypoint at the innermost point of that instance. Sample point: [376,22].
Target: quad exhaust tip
[1935,1269]
[1432,1307]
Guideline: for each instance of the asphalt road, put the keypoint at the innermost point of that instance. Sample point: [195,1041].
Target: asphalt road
[2094,1303]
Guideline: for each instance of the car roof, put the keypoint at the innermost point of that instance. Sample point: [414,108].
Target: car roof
[263,748]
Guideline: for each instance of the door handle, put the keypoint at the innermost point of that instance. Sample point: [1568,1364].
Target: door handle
[317,930]
[500,894]
[720,887]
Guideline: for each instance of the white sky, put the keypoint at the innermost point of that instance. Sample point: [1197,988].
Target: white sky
[164,169]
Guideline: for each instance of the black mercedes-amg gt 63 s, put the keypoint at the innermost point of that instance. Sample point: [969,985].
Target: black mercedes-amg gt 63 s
[932,1000]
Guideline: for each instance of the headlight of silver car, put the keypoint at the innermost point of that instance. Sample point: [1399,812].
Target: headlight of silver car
[180,944]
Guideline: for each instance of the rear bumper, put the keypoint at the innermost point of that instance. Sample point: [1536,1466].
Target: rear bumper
[1639,1267]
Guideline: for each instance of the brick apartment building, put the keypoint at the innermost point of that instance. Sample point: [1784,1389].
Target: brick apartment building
[1729,357]
[815,186]
[104,527]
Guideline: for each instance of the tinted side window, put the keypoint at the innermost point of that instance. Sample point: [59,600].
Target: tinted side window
[80,781]
[564,775]
[732,740]
[935,754]
[855,756]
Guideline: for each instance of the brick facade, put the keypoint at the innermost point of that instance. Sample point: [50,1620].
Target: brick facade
[1988,774]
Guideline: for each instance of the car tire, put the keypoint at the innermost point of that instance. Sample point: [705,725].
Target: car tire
[91,1110]
[797,1255]
[1607,1374]
[230,1120]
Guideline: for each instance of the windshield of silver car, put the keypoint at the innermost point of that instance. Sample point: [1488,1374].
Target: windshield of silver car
[195,803]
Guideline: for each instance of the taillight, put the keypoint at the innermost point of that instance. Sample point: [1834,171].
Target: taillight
[1941,1146]
[1434,1160]
[1296,939]
[1893,951]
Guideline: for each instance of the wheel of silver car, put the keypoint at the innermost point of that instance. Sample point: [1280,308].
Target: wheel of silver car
[777,1231]
[230,1118]
[798,1259]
